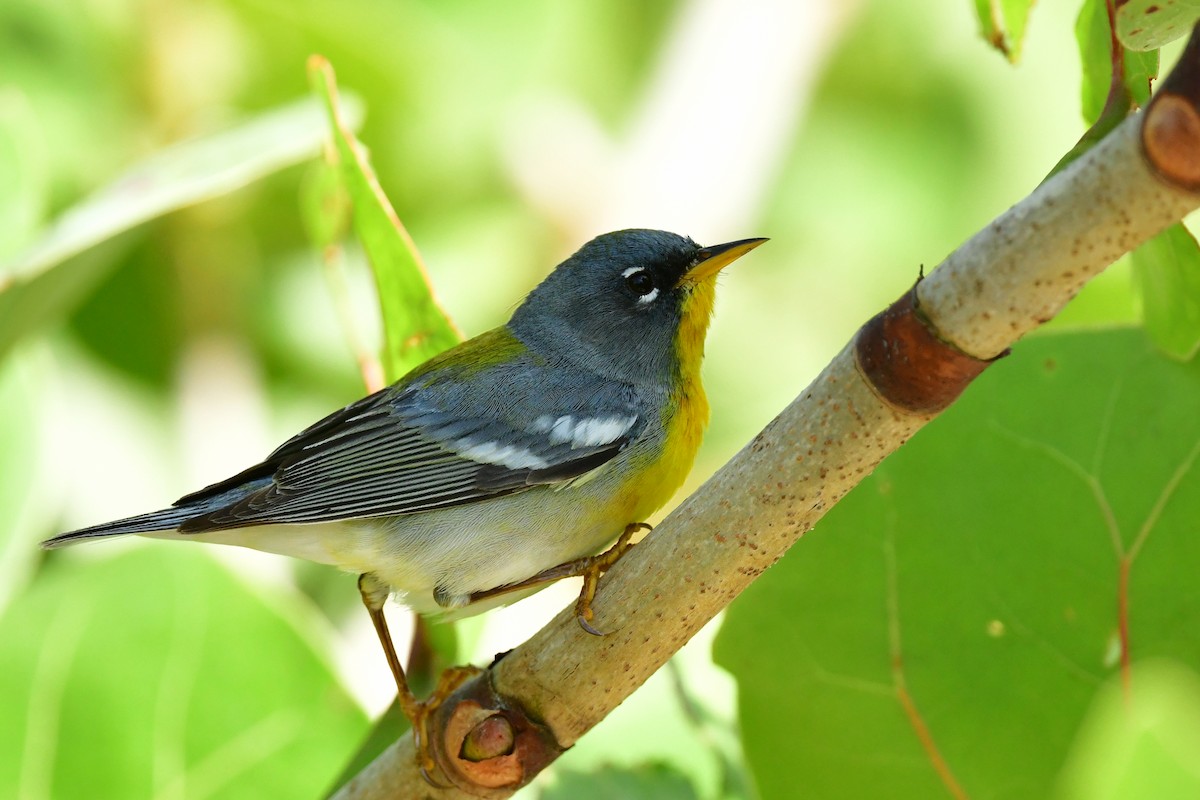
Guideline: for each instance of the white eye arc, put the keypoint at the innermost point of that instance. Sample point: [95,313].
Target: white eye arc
[641,282]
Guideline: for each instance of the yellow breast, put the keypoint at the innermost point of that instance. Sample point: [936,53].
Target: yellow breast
[686,413]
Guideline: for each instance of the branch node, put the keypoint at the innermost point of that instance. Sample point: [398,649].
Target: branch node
[1171,129]
[902,358]
[486,744]
[492,738]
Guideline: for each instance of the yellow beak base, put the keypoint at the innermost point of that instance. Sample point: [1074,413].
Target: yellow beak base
[711,260]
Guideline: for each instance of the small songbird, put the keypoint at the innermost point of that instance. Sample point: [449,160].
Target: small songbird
[501,464]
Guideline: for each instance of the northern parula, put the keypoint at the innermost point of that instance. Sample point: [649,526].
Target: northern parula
[502,463]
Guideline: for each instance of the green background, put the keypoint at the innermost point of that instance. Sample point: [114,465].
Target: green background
[178,350]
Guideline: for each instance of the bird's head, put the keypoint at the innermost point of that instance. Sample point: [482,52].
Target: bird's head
[633,305]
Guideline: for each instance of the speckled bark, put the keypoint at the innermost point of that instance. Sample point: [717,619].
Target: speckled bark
[1018,272]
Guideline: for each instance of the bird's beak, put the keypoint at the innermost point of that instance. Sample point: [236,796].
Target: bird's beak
[711,260]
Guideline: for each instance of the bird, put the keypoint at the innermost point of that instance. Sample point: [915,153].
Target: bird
[499,465]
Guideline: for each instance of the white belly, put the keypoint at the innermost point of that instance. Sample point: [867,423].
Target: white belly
[459,550]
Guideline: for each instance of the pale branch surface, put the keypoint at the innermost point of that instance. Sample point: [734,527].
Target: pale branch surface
[1007,279]
[1020,270]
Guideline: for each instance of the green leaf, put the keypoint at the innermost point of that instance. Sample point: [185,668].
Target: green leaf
[18,465]
[1103,107]
[658,781]
[1166,270]
[23,192]
[1094,37]
[1140,71]
[1095,56]
[325,205]
[1140,743]
[1150,24]
[383,733]
[156,674]
[1002,24]
[951,621]
[440,651]
[415,326]
[53,273]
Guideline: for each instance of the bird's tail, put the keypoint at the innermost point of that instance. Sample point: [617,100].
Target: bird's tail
[165,520]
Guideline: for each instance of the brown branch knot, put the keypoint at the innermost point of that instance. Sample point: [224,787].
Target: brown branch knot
[907,364]
[487,744]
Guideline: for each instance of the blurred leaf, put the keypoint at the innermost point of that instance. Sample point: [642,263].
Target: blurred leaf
[657,781]
[1146,744]
[186,173]
[1112,116]
[18,466]
[24,188]
[1140,71]
[384,732]
[1149,24]
[415,326]
[325,205]
[1108,300]
[1094,36]
[1167,271]
[954,617]
[148,344]
[1002,23]
[156,674]
[1105,106]
[438,651]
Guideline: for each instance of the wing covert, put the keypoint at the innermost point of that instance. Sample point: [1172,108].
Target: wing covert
[409,449]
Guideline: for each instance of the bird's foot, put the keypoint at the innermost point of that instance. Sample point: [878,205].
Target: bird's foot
[594,567]
[590,568]
[420,711]
[374,594]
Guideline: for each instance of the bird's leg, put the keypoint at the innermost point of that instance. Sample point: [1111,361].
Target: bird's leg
[590,567]
[374,595]
[597,567]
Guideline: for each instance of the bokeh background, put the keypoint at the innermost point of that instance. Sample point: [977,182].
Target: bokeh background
[866,139]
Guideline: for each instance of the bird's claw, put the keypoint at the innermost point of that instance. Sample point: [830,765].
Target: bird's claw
[587,626]
[425,763]
[597,566]
[448,683]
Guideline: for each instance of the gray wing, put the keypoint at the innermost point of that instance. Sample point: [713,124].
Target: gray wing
[440,444]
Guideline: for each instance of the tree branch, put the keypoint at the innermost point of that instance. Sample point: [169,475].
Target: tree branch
[897,374]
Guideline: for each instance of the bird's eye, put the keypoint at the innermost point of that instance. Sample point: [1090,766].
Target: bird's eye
[640,282]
